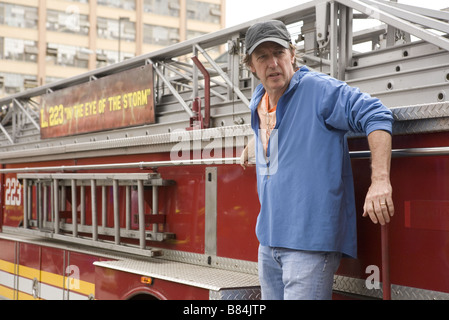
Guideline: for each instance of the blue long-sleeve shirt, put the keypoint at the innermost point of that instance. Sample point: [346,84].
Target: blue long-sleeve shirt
[305,182]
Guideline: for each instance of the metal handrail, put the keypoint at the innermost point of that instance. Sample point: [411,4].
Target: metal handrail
[373,9]
[396,153]
[410,152]
[131,165]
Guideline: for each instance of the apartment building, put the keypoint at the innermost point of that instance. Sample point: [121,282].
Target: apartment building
[42,41]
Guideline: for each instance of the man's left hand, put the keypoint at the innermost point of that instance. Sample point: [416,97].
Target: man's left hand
[379,202]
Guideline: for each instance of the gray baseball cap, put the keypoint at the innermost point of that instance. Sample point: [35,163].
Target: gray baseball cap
[272,30]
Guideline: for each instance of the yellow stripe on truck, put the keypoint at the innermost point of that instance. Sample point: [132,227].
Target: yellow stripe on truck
[52,279]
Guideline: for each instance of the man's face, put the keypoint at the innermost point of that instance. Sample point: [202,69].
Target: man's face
[273,65]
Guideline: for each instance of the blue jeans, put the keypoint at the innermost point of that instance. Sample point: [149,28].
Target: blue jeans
[287,274]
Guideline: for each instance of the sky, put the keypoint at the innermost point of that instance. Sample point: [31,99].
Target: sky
[239,11]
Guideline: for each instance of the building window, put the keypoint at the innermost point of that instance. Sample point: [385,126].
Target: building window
[52,79]
[18,50]
[160,35]
[193,34]
[162,7]
[107,57]
[69,21]
[109,29]
[122,4]
[18,16]
[203,11]
[63,55]
[11,83]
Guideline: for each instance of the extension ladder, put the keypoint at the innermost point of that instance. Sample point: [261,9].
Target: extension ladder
[54,191]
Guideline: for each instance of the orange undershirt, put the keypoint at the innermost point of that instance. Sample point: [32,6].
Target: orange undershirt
[267,117]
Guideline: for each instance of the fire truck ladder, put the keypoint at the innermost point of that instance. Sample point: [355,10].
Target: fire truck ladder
[53,191]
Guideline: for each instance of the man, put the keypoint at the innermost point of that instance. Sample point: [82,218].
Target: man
[304,179]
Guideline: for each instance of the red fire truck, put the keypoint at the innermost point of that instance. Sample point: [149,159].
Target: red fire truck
[125,183]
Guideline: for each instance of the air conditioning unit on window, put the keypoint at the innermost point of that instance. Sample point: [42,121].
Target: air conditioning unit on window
[52,51]
[30,83]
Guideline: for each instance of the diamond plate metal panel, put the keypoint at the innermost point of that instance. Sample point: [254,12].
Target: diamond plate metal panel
[249,267]
[188,274]
[355,286]
[421,126]
[358,287]
[237,294]
[426,111]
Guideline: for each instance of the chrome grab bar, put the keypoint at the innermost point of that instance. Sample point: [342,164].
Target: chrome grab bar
[396,153]
[410,152]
